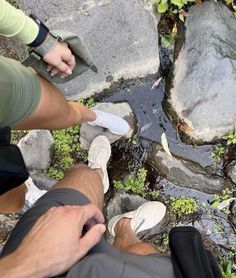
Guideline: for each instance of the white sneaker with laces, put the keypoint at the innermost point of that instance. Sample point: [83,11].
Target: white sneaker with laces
[98,156]
[115,124]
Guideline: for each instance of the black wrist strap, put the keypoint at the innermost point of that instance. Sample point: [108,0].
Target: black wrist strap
[43,32]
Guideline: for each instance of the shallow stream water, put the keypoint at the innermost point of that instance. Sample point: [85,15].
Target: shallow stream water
[147,105]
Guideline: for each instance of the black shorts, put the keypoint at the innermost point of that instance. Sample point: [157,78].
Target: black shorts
[103,260]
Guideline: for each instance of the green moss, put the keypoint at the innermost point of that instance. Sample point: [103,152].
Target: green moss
[67,151]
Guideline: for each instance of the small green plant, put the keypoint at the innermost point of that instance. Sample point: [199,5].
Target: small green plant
[154,194]
[167,40]
[134,183]
[67,149]
[218,227]
[218,153]
[184,205]
[88,102]
[173,7]
[179,7]
[226,194]
[231,138]
[226,268]
[165,239]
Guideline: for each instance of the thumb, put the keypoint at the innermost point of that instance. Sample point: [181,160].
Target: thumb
[91,238]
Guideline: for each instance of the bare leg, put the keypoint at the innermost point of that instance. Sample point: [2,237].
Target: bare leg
[126,240]
[85,180]
[54,111]
[13,200]
[80,177]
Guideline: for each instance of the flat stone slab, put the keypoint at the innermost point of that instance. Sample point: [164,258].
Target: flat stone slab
[88,132]
[185,173]
[203,93]
[121,35]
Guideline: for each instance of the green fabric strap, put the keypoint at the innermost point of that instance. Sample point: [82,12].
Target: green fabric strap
[83,58]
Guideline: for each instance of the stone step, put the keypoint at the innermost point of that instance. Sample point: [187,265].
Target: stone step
[121,35]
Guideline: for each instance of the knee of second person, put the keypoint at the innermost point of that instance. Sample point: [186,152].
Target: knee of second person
[83,169]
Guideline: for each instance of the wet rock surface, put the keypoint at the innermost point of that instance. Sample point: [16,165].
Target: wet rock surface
[37,149]
[88,132]
[232,215]
[203,93]
[185,173]
[112,30]
[216,226]
[231,171]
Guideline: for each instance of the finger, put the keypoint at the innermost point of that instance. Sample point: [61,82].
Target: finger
[49,67]
[71,62]
[63,68]
[54,71]
[91,238]
[90,211]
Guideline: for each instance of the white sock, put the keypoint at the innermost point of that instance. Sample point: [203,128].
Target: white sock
[115,124]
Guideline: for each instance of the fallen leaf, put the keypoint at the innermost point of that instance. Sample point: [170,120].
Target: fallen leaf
[156,83]
[225,203]
[165,145]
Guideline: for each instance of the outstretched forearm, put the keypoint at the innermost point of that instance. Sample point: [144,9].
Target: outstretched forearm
[14,23]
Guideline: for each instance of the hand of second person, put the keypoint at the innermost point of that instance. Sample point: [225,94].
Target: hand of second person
[61,237]
[60,60]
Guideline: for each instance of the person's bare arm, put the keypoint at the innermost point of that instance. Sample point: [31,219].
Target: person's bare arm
[14,23]
[57,241]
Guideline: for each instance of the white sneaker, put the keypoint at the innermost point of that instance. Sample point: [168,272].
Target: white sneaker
[115,124]
[145,217]
[32,194]
[98,156]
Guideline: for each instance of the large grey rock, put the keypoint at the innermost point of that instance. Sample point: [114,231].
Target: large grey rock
[88,132]
[203,93]
[37,149]
[185,173]
[121,35]
[231,171]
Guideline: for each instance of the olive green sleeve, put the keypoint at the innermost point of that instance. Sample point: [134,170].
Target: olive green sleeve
[14,23]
